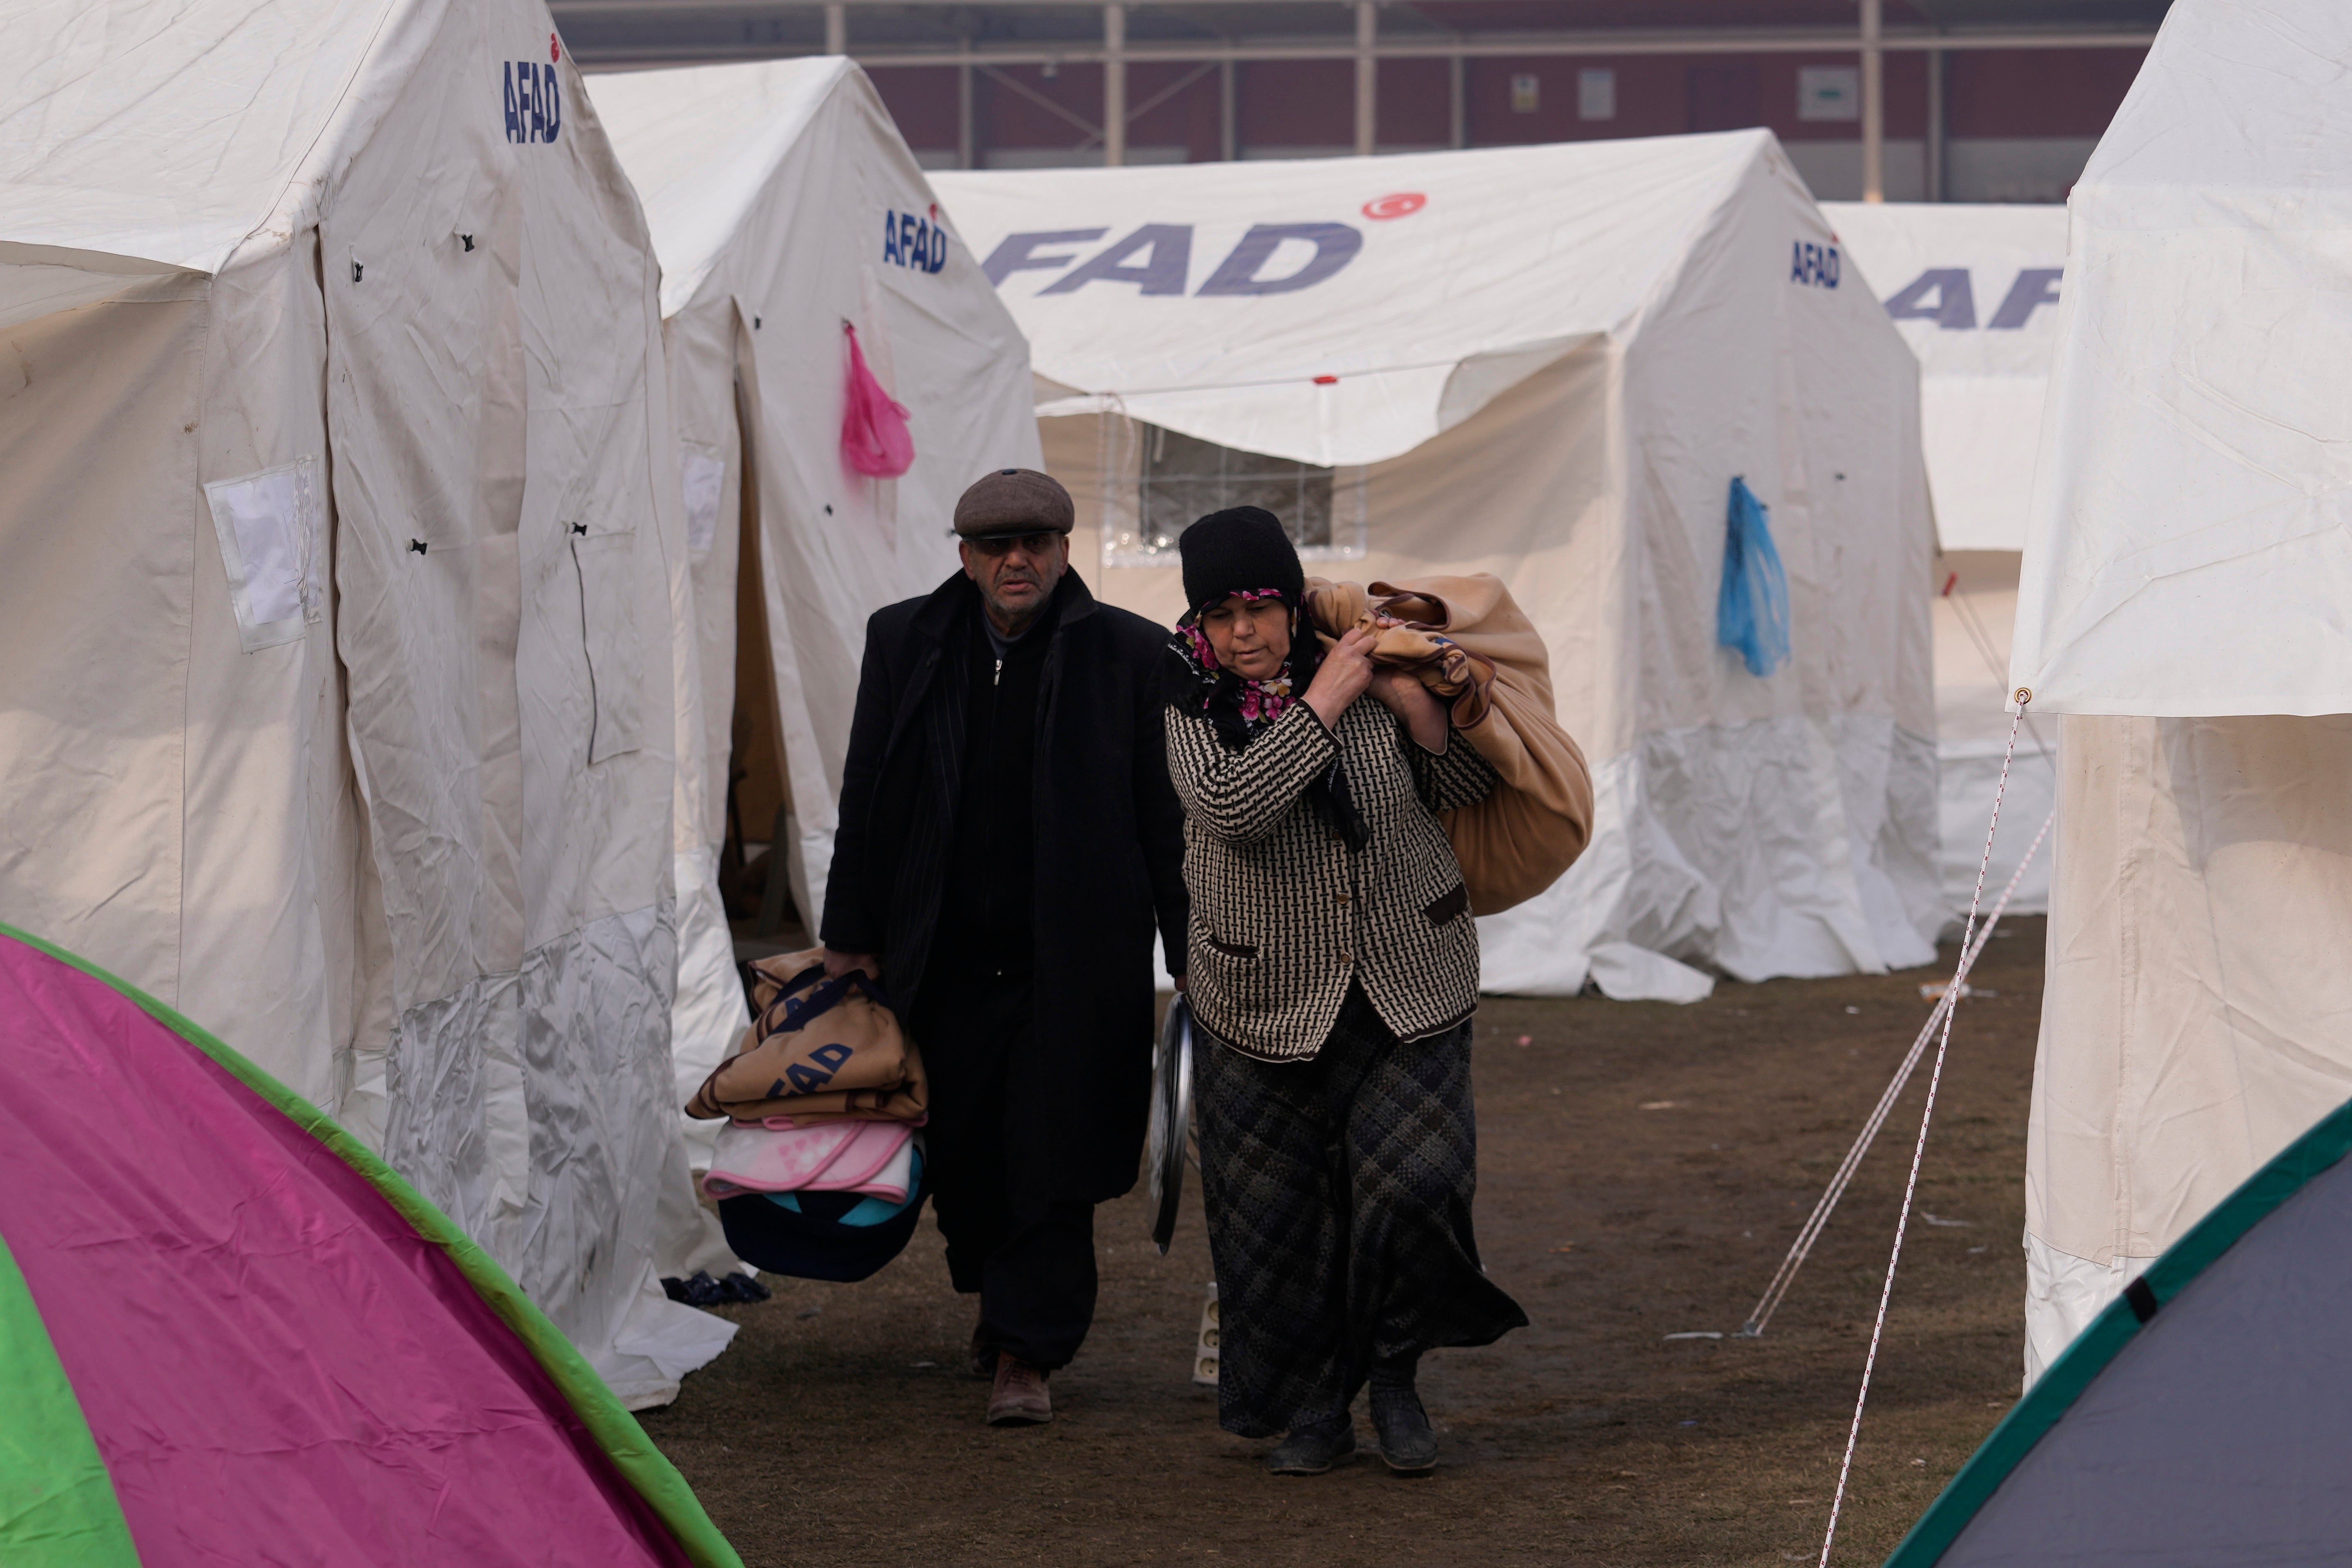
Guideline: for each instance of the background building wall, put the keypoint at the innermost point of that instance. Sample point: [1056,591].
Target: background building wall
[2016,123]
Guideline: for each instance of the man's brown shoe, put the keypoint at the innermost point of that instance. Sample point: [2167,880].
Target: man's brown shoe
[1018,1398]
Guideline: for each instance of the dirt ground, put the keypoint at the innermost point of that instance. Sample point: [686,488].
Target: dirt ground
[1643,1169]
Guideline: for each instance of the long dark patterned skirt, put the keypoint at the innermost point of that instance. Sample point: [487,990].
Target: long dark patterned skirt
[1338,1196]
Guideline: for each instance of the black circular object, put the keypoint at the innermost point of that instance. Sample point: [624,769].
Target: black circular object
[1171,1125]
[809,1241]
[811,1245]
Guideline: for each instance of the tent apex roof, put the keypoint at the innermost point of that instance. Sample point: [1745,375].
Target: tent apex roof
[1344,310]
[173,131]
[701,143]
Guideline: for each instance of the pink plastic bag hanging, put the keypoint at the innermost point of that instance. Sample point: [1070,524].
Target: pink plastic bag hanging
[874,438]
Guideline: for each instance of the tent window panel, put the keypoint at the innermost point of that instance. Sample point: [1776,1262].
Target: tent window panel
[1181,479]
[1185,478]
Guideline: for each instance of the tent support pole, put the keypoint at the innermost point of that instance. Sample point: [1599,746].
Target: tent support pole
[836,29]
[1368,78]
[967,144]
[1457,94]
[1874,106]
[1229,142]
[1936,125]
[1114,86]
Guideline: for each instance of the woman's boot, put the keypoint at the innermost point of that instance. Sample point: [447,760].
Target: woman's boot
[1312,1449]
[1407,1444]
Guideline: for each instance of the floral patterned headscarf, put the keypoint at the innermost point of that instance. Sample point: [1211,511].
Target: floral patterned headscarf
[1239,708]
[1255,703]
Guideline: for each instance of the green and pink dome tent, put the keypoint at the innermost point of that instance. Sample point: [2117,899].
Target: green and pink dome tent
[228,1334]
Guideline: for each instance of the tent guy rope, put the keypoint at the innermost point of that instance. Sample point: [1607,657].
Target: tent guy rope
[1926,1115]
[1769,1302]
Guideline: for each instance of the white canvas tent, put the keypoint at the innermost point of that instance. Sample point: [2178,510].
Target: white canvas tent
[785,205]
[2183,606]
[1974,291]
[1549,363]
[336,591]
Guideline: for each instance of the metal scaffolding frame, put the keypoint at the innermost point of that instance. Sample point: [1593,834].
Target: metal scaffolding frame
[1869,42]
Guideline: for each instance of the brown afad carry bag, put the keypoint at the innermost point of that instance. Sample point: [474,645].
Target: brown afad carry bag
[1468,643]
[820,1050]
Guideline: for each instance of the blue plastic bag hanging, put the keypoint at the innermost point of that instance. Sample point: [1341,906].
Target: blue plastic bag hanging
[1752,613]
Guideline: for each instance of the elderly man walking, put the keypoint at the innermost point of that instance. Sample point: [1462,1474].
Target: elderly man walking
[1009,840]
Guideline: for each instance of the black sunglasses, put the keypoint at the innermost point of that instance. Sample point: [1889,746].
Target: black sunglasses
[996,545]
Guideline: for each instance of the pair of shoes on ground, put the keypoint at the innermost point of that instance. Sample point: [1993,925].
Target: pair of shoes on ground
[1408,1447]
[1018,1397]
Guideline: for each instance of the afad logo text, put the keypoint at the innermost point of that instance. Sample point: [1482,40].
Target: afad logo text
[1814,265]
[1271,258]
[533,101]
[920,244]
[1943,295]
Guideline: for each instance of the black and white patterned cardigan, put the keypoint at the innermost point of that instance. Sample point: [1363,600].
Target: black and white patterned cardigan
[1284,917]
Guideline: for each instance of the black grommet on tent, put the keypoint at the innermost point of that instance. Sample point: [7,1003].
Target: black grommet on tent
[2142,1299]
[416,546]
[355,272]
[468,239]
[579,528]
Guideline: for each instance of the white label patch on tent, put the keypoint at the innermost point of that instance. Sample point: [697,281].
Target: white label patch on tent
[704,473]
[269,533]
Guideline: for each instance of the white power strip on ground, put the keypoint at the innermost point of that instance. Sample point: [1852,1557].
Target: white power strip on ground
[1204,1354]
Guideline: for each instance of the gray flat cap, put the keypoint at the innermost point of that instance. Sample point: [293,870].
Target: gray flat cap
[1014,501]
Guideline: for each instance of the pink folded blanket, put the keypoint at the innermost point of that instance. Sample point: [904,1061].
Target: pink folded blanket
[889,1184]
[871,1158]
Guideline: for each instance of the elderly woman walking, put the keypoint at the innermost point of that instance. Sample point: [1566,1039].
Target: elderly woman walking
[1335,962]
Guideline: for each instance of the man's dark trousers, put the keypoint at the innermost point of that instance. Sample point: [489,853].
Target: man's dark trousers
[1030,1259]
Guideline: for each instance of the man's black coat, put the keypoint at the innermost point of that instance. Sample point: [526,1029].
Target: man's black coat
[1110,855]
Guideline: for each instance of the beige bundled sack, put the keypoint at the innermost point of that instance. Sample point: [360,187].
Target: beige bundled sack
[1468,643]
[820,1050]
